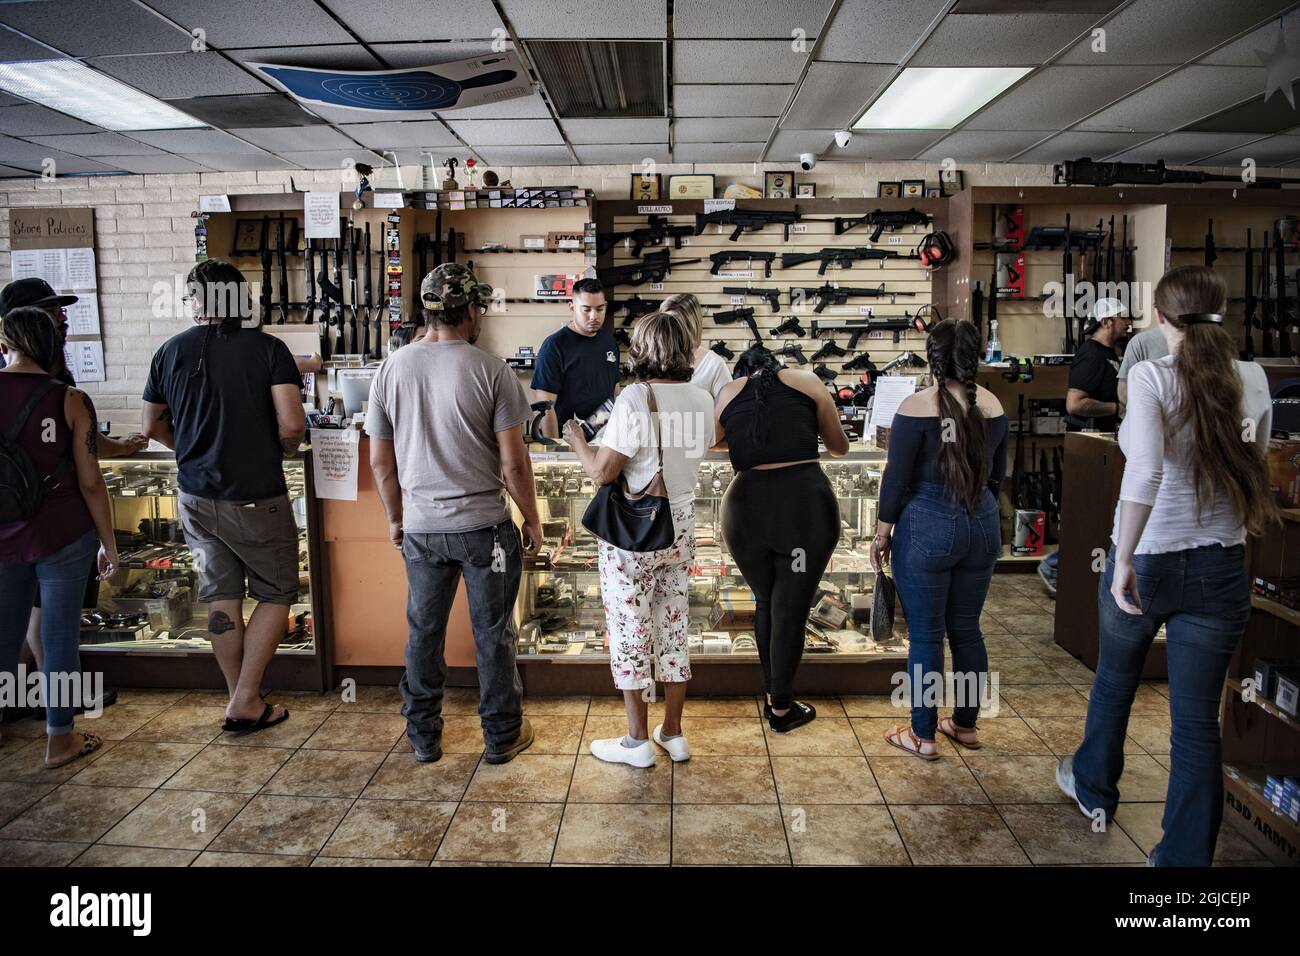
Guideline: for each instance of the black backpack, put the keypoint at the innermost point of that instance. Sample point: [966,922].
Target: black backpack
[22,490]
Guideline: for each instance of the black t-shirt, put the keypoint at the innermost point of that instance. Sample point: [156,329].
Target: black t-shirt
[1095,370]
[227,438]
[581,370]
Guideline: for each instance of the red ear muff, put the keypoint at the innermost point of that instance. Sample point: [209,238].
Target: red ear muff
[935,249]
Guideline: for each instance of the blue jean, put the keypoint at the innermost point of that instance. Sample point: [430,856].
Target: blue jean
[1202,596]
[61,579]
[490,561]
[943,560]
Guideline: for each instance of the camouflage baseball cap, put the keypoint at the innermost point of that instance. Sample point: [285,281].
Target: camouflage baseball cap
[452,285]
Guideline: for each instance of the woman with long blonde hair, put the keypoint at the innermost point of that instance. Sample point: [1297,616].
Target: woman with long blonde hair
[710,372]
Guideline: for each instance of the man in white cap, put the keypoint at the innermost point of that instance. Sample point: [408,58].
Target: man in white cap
[1093,401]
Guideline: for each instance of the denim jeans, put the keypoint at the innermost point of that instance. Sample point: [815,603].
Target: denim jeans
[491,563]
[1202,596]
[61,580]
[943,560]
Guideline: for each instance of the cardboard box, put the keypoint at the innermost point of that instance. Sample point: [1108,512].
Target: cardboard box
[556,241]
[1284,472]
[532,242]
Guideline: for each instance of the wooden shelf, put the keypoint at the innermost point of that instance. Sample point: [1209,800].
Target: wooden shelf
[1265,705]
[1266,828]
[1291,514]
[1261,603]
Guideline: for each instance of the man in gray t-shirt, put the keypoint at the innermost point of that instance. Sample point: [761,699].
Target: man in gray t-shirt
[445,424]
[1147,346]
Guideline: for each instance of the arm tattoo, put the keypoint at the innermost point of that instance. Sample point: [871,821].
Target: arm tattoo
[92,433]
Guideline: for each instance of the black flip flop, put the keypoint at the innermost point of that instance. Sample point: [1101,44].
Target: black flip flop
[243,727]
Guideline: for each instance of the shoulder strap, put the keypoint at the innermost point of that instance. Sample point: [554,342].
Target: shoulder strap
[29,406]
[654,418]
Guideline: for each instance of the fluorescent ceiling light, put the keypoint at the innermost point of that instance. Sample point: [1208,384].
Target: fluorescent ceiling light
[937,97]
[73,88]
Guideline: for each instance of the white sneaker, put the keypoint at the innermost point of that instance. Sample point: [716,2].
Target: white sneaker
[677,748]
[1065,781]
[613,751]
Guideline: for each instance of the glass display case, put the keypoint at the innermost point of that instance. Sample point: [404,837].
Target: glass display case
[149,604]
[560,614]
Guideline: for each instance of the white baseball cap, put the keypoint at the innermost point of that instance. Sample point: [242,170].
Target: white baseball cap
[1108,309]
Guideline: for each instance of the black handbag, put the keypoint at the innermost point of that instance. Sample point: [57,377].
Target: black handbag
[882,609]
[640,521]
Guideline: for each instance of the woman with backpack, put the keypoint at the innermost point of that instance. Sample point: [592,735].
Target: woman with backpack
[54,513]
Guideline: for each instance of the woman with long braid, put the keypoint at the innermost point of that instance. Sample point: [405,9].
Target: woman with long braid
[947,459]
[779,517]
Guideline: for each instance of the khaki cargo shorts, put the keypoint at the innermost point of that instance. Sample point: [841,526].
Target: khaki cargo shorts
[234,540]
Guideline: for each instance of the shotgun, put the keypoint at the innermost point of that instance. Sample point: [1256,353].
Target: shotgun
[264,249]
[369,300]
[352,282]
[340,347]
[1248,316]
[284,275]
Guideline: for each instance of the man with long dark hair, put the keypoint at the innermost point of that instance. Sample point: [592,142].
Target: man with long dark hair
[228,398]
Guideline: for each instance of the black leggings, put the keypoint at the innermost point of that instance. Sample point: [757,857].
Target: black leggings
[781,525]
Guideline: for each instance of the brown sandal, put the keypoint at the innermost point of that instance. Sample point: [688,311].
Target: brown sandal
[89,744]
[954,733]
[895,739]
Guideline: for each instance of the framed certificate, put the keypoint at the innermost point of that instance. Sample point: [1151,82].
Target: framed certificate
[778,185]
[805,191]
[690,186]
[888,190]
[913,188]
[645,187]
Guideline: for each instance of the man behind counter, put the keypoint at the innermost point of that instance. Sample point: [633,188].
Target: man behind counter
[577,367]
[1092,399]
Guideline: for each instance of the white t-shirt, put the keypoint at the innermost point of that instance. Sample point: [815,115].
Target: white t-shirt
[711,373]
[1155,472]
[686,428]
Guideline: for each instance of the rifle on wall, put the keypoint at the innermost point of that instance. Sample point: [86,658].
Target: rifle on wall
[653,268]
[655,233]
[977,309]
[1110,252]
[843,257]
[369,298]
[284,275]
[340,347]
[1211,253]
[309,275]
[1282,308]
[1067,268]
[880,220]
[352,282]
[839,295]
[264,249]
[746,220]
[1265,303]
[1086,172]
[1248,316]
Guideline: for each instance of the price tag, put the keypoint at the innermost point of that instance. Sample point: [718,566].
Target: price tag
[799,227]
[875,335]
[735,275]
[656,287]
[894,240]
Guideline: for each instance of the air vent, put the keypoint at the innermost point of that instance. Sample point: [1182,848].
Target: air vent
[596,79]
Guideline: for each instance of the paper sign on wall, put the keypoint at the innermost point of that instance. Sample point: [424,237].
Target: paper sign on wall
[321,215]
[335,453]
[219,203]
[890,392]
[83,316]
[85,360]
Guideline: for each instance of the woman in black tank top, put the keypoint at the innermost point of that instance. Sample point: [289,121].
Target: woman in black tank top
[780,518]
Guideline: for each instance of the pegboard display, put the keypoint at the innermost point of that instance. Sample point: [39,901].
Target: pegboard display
[787,294]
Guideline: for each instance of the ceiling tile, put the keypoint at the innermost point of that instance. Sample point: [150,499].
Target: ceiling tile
[79,165]
[330,158]
[249,23]
[1181,98]
[1242,51]
[30,119]
[10,172]
[165,163]
[868,31]
[789,144]
[1057,96]
[406,56]
[632,154]
[87,29]
[736,61]
[329,56]
[417,19]
[748,18]
[294,137]
[343,116]
[720,129]
[526,156]
[991,40]
[730,100]
[886,144]
[238,162]
[572,19]
[1265,152]
[1042,6]
[194,141]
[970,146]
[1178,149]
[718,152]
[641,130]
[14,47]
[520,107]
[96,144]
[19,152]
[1172,31]
[1258,115]
[506,132]
[833,94]
[417,135]
[170,75]
[1072,145]
[259,109]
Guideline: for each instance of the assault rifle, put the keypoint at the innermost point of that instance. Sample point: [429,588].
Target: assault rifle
[719,259]
[838,295]
[844,257]
[751,220]
[653,268]
[880,220]
[654,234]
[1086,172]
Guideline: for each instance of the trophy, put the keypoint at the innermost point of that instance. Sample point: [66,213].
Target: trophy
[450,181]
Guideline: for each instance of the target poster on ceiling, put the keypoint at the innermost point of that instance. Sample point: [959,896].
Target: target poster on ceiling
[445,86]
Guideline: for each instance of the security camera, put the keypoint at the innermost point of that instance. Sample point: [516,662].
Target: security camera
[807,161]
[842,138]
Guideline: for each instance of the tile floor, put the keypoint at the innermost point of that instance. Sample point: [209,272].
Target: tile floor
[337,784]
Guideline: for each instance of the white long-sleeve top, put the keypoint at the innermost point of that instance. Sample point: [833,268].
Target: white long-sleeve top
[1156,471]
